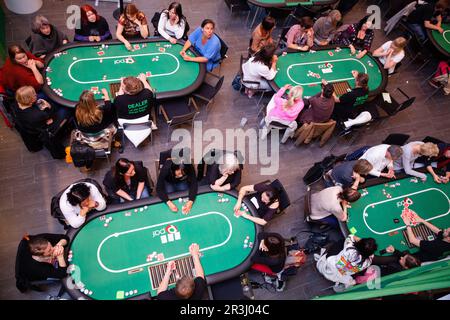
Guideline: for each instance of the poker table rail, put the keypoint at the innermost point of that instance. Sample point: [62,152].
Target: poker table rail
[244,266]
[372,94]
[159,95]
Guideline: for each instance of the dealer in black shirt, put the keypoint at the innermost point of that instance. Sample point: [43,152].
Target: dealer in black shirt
[344,108]
[186,288]
[421,18]
[429,250]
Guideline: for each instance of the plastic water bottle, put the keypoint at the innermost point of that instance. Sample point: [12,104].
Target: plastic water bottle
[246,287]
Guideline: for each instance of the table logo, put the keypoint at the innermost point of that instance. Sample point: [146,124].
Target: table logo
[168,234]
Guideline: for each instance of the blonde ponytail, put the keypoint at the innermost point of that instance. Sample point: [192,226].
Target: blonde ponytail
[295,93]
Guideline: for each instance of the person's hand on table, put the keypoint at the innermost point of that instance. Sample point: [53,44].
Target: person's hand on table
[171,266]
[172,206]
[105,94]
[406,220]
[182,53]
[441,30]
[91,38]
[360,55]
[444,180]
[324,82]
[437,179]
[187,207]
[355,73]
[390,249]
[187,57]
[352,49]
[142,77]
[128,46]
[237,206]
[262,246]
[239,213]
[194,250]
[216,188]
[288,86]
[173,40]
[97,38]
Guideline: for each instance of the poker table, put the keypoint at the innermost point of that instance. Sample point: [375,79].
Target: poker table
[294,67]
[441,41]
[87,66]
[112,262]
[377,214]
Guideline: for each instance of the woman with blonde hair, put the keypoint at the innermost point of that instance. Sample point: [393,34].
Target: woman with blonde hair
[91,117]
[391,53]
[132,24]
[411,152]
[325,28]
[285,111]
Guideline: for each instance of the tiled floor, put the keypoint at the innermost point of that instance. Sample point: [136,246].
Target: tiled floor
[30,180]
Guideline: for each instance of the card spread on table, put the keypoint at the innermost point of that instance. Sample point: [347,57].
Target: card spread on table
[328,70]
[94,88]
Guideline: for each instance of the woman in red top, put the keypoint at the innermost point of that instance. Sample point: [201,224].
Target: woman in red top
[22,69]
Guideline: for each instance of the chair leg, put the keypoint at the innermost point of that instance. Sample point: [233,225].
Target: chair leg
[260,98]
[61,291]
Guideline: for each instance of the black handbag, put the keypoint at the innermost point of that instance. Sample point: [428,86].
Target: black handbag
[82,154]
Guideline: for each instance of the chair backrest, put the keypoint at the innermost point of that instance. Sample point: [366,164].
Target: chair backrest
[406,104]
[307,204]
[164,155]
[282,194]
[185,118]
[28,42]
[218,85]
[398,139]
[23,253]
[223,48]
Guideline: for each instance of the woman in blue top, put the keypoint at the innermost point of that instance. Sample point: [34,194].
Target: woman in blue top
[206,43]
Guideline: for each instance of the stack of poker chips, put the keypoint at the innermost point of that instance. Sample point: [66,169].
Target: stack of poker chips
[151,256]
[244,207]
[49,81]
[58,91]
[364,193]
[388,195]
[223,200]
[131,292]
[70,256]
[247,243]
[107,220]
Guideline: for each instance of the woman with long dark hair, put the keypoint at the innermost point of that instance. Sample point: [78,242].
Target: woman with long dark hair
[128,180]
[260,68]
[93,27]
[172,23]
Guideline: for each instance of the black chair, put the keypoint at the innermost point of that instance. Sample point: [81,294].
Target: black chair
[22,282]
[307,212]
[208,90]
[238,6]
[28,42]
[205,164]
[395,106]
[55,210]
[177,112]
[432,140]
[223,51]
[398,139]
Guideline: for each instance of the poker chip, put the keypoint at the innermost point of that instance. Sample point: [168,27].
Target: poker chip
[74,58]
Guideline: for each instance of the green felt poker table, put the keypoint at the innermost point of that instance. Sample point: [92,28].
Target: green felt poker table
[378,216]
[290,3]
[294,67]
[112,262]
[87,66]
[441,41]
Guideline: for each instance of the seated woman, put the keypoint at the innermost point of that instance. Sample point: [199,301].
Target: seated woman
[411,152]
[356,256]
[206,43]
[22,69]
[93,118]
[272,254]
[318,108]
[35,116]
[391,53]
[266,202]
[441,162]
[262,35]
[135,99]
[442,77]
[93,28]
[78,200]
[345,104]
[127,180]
[172,23]
[177,177]
[260,68]
[41,257]
[132,24]
[396,262]
[331,204]
[226,175]
[45,38]
[348,174]
[430,250]
[358,36]
[285,111]
[301,36]
[325,28]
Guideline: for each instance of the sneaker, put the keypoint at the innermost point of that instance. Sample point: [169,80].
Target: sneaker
[434,83]
[269,279]
[154,127]
[280,285]
[339,287]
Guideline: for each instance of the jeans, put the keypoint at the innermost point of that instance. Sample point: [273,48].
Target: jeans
[145,194]
[178,186]
[331,221]
[419,31]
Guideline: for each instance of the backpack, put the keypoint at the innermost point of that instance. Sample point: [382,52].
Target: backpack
[236,83]
[316,172]
[315,242]
[82,154]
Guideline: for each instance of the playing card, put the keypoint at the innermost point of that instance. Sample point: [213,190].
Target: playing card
[148,74]
[160,257]
[100,53]
[330,53]
[162,49]
[93,89]
[136,47]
